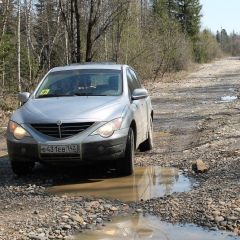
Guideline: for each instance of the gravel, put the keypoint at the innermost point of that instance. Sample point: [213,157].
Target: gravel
[198,125]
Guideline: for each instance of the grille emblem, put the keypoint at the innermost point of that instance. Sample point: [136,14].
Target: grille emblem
[59,122]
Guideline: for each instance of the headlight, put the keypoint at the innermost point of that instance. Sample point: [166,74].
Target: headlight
[108,129]
[17,131]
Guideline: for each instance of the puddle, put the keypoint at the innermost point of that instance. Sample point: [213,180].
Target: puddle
[161,134]
[224,99]
[228,98]
[145,183]
[150,227]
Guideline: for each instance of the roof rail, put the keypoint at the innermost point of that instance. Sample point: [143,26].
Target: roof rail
[92,63]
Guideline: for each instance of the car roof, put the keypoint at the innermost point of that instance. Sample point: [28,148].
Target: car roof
[90,65]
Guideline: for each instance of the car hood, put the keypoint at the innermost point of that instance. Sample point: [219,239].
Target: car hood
[70,108]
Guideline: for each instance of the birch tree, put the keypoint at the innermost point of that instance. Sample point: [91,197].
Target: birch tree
[71,20]
[4,7]
[46,32]
[19,46]
[28,6]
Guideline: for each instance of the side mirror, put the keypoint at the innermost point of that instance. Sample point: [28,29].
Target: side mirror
[139,93]
[23,97]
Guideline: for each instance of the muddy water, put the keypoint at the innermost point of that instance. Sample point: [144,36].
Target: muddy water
[161,134]
[145,183]
[150,227]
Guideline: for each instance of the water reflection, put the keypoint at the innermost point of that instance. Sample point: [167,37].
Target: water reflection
[161,134]
[145,183]
[150,227]
[228,98]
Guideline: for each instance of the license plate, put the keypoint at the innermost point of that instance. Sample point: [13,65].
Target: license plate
[58,149]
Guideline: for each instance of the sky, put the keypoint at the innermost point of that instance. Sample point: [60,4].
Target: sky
[221,14]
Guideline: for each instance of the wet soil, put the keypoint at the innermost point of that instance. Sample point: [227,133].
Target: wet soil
[195,117]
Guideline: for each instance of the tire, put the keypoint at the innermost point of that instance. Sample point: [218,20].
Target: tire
[148,143]
[22,168]
[125,166]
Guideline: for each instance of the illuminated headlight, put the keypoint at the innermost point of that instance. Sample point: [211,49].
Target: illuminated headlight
[108,128]
[17,131]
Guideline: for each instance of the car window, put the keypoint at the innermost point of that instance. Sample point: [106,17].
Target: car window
[136,78]
[81,82]
[133,83]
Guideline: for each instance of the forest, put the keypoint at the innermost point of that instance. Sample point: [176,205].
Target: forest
[153,36]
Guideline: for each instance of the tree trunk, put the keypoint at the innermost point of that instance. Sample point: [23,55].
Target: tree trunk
[19,47]
[91,23]
[28,38]
[77,16]
[5,10]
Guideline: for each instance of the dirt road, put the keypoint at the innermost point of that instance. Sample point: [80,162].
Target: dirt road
[196,117]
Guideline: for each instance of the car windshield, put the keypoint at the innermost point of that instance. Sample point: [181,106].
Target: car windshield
[82,82]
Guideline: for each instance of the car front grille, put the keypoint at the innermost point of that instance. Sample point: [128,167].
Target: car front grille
[64,130]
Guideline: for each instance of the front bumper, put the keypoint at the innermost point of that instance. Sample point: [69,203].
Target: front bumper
[93,148]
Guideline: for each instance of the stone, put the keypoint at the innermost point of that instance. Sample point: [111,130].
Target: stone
[77,218]
[216,213]
[219,219]
[235,230]
[114,209]
[67,226]
[200,166]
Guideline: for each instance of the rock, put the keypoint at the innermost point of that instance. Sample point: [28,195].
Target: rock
[219,219]
[39,237]
[223,223]
[114,209]
[200,166]
[235,230]
[237,209]
[67,226]
[216,213]
[232,218]
[77,218]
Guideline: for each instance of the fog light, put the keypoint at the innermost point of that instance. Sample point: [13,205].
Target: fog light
[101,149]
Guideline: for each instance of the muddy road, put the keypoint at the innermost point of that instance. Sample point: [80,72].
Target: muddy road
[195,118]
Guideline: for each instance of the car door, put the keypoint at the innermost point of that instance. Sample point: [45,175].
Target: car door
[140,112]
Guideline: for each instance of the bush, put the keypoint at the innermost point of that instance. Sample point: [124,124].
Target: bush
[207,48]
[8,103]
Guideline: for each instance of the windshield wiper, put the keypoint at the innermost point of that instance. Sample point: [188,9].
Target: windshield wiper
[87,94]
[49,95]
[82,94]
[54,95]
[69,95]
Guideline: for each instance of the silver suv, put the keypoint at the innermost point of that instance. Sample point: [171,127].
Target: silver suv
[79,114]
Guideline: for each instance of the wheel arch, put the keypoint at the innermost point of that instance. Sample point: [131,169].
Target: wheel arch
[134,128]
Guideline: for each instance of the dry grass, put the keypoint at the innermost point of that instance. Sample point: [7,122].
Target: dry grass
[8,103]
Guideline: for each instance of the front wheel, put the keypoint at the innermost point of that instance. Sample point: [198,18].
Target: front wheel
[125,165]
[22,168]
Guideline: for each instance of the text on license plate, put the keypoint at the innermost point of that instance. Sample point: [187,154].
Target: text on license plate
[58,148]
